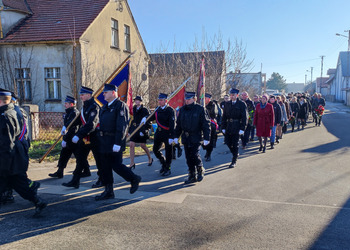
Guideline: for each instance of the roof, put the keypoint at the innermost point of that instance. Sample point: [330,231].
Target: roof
[48,22]
[189,61]
[344,58]
[18,5]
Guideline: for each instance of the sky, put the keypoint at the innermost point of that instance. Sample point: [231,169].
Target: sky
[287,37]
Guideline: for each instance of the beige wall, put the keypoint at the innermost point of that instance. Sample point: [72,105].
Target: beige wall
[99,59]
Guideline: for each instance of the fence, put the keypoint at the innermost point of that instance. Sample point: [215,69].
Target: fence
[46,125]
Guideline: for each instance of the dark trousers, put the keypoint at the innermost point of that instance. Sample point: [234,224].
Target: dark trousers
[193,158]
[159,139]
[20,184]
[82,154]
[245,136]
[232,143]
[252,132]
[65,155]
[114,161]
[213,138]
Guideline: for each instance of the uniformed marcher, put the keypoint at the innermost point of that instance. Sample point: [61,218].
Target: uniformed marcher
[22,117]
[68,147]
[140,114]
[13,155]
[86,138]
[114,120]
[193,124]
[234,122]
[165,118]
[212,110]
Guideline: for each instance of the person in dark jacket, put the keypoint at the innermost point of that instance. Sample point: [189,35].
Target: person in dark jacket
[250,126]
[234,122]
[212,110]
[13,155]
[140,114]
[193,124]
[278,117]
[303,112]
[294,108]
[86,138]
[320,102]
[68,147]
[114,119]
[165,118]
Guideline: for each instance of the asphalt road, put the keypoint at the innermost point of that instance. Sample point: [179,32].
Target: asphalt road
[293,197]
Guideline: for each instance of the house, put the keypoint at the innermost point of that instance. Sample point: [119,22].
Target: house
[339,84]
[253,83]
[48,49]
[168,70]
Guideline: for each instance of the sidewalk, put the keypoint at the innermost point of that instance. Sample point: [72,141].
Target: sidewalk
[337,107]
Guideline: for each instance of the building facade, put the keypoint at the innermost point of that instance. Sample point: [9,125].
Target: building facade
[48,51]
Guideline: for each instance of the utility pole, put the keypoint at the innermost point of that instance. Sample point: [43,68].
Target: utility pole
[319,89]
[312,68]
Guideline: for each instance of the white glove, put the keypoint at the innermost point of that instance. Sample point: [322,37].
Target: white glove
[176,140]
[223,131]
[75,139]
[206,142]
[64,144]
[143,121]
[141,134]
[116,148]
[241,132]
[170,141]
[63,131]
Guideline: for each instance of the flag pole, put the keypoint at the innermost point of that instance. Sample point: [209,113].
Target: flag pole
[97,93]
[149,117]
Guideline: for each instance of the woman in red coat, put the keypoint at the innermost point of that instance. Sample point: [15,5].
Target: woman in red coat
[264,119]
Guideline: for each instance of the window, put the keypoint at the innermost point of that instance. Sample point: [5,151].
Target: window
[53,83]
[23,84]
[115,35]
[127,38]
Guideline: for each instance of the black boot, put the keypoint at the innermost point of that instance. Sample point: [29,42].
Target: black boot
[277,139]
[191,178]
[98,184]
[7,197]
[233,163]
[75,182]
[200,173]
[135,184]
[58,174]
[167,171]
[86,173]
[107,194]
[261,147]
[272,147]
[40,204]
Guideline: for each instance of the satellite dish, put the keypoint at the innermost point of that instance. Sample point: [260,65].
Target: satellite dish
[144,77]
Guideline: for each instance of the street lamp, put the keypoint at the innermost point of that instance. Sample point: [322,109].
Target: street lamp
[348,37]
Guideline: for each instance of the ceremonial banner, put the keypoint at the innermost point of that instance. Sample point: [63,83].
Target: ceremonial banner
[178,100]
[201,84]
[122,81]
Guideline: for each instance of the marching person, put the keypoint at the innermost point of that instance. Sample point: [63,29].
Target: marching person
[140,114]
[193,124]
[263,121]
[68,147]
[234,122]
[284,119]
[303,112]
[13,154]
[321,102]
[212,110]
[165,118]
[86,138]
[278,114]
[251,109]
[294,108]
[256,100]
[114,119]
